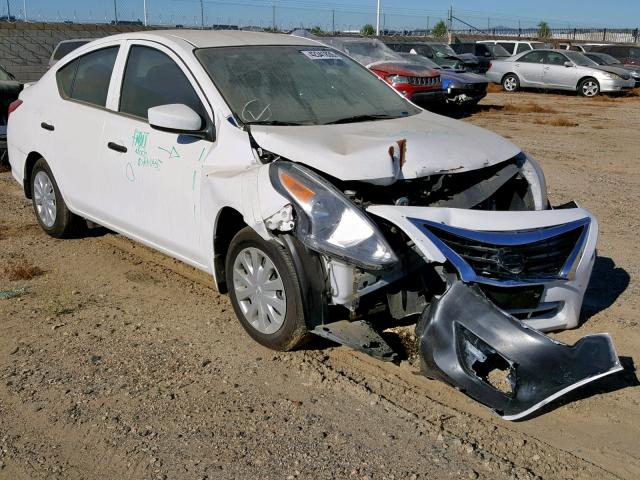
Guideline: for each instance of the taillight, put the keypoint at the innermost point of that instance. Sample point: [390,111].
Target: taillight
[490,65]
[13,106]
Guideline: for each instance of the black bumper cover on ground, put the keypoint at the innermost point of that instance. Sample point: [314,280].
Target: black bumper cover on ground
[463,336]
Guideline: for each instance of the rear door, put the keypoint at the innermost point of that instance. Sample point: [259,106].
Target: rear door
[72,126]
[153,176]
[529,68]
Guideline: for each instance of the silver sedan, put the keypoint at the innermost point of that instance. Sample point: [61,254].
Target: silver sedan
[558,69]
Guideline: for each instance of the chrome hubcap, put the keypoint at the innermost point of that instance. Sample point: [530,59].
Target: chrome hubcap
[44,197]
[510,84]
[259,290]
[590,89]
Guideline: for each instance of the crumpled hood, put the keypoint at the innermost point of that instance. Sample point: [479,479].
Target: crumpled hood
[369,151]
[617,70]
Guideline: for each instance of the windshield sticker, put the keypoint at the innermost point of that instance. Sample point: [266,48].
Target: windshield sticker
[321,54]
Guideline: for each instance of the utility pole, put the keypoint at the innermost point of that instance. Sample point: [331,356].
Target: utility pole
[273,17]
[450,24]
[378,20]
[115,10]
[144,5]
[24,9]
[8,11]
[333,21]
[428,21]
[202,14]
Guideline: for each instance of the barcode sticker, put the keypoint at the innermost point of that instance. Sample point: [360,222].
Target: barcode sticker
[321,54]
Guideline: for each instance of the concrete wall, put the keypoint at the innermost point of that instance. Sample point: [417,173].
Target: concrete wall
[25,48]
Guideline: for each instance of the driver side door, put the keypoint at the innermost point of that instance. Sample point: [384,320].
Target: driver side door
[557,74]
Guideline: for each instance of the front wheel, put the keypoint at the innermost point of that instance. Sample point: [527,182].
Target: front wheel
[589,87]
[511,83]
[265,291]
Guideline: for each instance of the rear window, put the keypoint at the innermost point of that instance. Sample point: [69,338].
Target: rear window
[87,78]
[537,46]
[67,47]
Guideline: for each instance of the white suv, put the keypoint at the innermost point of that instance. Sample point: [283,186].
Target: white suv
[516,46]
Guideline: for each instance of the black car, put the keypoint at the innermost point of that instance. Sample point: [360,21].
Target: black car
[439,53]
[9,91]
[627,54]
[484,52]
[607,60]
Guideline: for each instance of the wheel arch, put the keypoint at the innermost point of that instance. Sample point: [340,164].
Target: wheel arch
[228,223]
[587,77]
[29,163]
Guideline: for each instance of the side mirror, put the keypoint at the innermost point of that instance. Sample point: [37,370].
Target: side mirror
[175,118]
[568,64]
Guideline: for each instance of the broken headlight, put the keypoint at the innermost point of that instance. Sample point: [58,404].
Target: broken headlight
[534,175]
[327,221]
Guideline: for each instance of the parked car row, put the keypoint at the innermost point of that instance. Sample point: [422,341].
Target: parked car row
[560,70]
[315,194]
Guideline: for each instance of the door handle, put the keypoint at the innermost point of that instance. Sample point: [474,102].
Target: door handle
[117,147]
[47,126]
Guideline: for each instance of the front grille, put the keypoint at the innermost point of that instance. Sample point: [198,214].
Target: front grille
[424,81]
[476,87]
[543,258]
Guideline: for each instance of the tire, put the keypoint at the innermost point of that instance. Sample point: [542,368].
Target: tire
[48,205]
[268,307]
[589,87]
[510,83]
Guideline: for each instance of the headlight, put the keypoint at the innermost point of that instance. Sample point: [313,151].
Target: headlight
[327,221]
[397,79]
[534,175]
[612,76]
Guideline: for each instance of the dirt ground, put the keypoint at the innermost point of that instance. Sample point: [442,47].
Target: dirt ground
[118,362]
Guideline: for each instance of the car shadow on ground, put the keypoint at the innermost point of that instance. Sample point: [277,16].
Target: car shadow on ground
[608,282]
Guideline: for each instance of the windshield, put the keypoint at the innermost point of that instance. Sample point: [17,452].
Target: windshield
[442,50]
[604,59]
[298,85]
[497,50]
[580,59]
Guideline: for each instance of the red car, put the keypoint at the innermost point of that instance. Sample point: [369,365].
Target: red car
[419,84]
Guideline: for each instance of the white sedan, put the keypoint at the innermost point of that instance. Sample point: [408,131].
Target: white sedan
[315,194]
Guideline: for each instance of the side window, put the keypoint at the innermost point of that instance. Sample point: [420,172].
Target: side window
[87,77]
[533,57]
[482,50]
[523,47]
[554,58]
[509,46]
[151,79]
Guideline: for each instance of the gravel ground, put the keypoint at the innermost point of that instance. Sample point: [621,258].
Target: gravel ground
[118,362]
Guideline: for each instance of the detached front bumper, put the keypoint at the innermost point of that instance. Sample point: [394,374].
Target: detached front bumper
[462,94]
[430,97]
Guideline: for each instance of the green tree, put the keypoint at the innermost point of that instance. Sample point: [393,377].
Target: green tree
[440,29]
[368,29]
[317,30]
[272,30]
[543,30]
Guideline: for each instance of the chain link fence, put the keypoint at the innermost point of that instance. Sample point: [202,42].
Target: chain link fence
[286,15]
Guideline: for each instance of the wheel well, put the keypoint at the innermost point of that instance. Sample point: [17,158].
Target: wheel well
[32,158]
[509,73]
[228,223]
[586,78]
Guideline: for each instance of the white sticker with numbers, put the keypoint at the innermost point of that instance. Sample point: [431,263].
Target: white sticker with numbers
[321,54]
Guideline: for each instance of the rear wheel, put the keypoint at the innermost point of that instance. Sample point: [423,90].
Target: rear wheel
[511,83]
[51,212]
[589,87]
[265,292]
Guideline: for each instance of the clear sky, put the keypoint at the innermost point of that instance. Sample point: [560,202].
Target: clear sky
[341,13]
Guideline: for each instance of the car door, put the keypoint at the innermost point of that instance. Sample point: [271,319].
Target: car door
[529,68]
[73,124]
[153,175]
[557,74]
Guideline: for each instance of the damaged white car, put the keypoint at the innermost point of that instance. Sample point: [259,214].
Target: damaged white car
[315,195]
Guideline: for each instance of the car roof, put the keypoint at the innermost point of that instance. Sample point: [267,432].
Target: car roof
[219,38]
